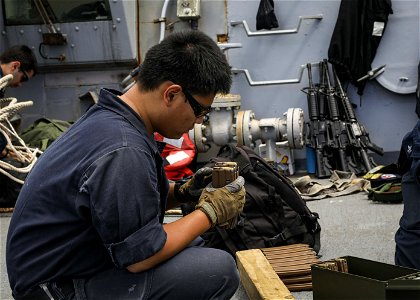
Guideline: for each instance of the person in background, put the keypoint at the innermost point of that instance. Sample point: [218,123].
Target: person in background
[20,61]
[407,237]
[88,223]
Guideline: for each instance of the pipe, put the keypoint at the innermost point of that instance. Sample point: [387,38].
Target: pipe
[163,20]
[138,50]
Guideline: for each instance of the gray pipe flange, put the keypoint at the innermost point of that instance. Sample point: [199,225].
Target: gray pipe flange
[196,135]
[238,127]
[243,127]
[295,123]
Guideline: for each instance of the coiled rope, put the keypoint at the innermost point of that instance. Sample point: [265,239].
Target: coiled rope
[16,147]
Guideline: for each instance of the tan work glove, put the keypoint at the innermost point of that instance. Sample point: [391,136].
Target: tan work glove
[223,204]
[192,189]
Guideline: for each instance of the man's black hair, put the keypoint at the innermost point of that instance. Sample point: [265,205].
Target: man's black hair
[189,58]
[23,54]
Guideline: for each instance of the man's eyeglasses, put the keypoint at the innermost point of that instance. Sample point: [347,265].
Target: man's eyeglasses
[25,76]
[199,110]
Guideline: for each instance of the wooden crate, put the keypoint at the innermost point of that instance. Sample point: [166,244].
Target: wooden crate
[272,273]
[258,277]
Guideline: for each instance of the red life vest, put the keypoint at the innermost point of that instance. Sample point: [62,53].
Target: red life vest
[178,157]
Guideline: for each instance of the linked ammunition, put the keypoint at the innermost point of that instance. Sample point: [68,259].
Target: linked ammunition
[224,173]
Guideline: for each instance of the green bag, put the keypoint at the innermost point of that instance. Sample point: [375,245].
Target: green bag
[43,132]
[387,193]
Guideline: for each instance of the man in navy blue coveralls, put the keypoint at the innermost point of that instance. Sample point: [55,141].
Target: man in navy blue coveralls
[88,221]
[407,238]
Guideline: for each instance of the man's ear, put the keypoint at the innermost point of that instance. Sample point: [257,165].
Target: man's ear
[170,93]
[171,96]
[15,65]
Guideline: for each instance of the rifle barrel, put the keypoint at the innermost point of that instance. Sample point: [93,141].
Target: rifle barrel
[312,102]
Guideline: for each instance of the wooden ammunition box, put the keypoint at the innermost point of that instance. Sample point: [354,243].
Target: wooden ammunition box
[273,273]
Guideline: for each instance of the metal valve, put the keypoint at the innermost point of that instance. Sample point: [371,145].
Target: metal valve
[227,124]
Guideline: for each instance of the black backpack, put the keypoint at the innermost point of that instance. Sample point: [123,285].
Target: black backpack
[274,213]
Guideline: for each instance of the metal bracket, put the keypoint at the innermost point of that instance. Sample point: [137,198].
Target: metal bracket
[373,73]
[273,82]
[227,46]
[273,32]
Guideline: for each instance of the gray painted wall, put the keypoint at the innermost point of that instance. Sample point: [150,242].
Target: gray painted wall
[98,54]
[386,115]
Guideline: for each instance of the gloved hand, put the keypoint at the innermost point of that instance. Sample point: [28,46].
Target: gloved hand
[223,204]
[192,189]
[229,224]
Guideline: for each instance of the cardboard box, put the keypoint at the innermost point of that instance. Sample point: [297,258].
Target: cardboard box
[366,279]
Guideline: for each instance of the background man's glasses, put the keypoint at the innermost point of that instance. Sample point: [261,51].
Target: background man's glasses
[199,110]
[25,76]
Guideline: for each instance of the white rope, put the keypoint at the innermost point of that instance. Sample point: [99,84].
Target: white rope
[8,99]
[12,108]
[19,152]
[22,153]
[4,81]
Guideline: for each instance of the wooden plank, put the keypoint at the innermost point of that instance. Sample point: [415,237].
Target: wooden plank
[258,277]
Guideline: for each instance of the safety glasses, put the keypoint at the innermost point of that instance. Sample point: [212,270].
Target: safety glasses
[25,76]
[199,110]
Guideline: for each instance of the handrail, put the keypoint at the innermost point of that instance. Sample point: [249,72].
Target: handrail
[227,46]
[273,82]
[273,32]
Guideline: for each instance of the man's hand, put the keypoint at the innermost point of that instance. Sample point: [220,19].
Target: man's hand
[192,189]
[223,204]
[3,144]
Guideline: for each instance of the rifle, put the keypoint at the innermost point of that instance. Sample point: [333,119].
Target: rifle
[357,134]
[337,128]
[316,129]
[322,92]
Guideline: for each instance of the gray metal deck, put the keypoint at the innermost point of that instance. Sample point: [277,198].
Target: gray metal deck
[351,225]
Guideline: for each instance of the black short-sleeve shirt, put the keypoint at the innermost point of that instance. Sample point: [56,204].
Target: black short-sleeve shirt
[95,199]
